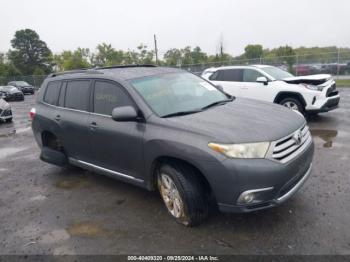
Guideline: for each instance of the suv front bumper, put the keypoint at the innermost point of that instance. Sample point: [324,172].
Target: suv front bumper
[330,104]
[286,192]
[234,176]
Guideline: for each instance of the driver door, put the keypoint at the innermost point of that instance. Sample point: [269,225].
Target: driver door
[251,88]
[116,146]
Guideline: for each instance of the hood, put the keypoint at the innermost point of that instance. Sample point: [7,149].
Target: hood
[242,121]
[311,79]
[12,90]
[3,104]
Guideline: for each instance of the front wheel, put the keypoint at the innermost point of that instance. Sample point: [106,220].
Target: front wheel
[183,193]
[292,103]
[9,120]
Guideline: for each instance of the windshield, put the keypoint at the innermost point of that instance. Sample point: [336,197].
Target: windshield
[276,72]
[177,92]
[21,83]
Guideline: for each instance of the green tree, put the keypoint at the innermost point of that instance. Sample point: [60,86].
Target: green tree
[145,56]
[107,56]
[253,51]
[287,54]
[69,60]
[7,68]
[173,57]
[29,52]
[198,57]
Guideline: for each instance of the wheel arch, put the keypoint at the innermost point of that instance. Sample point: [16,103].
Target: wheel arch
[169,159]
[285,94]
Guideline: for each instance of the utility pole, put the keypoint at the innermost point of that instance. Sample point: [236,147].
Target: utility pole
[155,48]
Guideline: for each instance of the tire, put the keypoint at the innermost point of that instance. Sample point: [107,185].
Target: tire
[188,193]
[292,103]
[8,120]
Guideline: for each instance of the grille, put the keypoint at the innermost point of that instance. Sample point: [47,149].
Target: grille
[18,95]
[7,112]
[291,146]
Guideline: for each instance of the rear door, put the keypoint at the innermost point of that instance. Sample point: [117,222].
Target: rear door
[116,146]
[47,111]
[72,115]
[229,79]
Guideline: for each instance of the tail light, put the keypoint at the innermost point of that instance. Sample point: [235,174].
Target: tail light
[32,113]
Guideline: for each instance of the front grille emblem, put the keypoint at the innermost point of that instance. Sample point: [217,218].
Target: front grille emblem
[297,137]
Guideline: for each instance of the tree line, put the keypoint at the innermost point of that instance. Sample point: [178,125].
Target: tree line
[30,55]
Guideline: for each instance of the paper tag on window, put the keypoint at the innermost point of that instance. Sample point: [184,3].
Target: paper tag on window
[207,86]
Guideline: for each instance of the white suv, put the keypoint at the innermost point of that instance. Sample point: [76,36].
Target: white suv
[307,94]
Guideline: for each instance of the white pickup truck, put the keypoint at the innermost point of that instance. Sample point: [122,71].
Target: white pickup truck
[307,94]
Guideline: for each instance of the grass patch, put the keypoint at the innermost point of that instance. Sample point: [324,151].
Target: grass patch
[343,82]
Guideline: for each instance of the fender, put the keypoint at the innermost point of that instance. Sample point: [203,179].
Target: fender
[283,93]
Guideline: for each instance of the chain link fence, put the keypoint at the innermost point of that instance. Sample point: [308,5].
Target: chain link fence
[34,80]
[334,63]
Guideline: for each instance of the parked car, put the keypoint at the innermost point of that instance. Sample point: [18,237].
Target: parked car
[303,70]
[11,93]
[5,111]
[22,86]
[307,94]
[169,129]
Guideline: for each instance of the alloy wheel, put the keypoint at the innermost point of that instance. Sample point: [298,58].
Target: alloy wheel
[291,105]
[170,195]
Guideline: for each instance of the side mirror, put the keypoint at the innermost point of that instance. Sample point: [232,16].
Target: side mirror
[262,79]
[124,114]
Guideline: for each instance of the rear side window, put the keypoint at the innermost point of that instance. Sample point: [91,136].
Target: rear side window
[235,75]
[78,94]
[52,91]
[107,96]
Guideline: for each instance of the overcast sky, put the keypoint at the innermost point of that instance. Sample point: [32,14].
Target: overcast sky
[68,24]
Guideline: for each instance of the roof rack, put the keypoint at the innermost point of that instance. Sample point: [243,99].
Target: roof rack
[124,66]
[95,70]
[79,71]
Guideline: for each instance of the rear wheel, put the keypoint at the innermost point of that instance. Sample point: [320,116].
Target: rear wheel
[292,103]
[183,193]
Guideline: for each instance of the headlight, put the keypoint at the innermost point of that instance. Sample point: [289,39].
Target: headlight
[312,87]
[247,150]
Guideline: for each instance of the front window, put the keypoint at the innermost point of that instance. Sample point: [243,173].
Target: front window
[250,75]
[276,72]
[177,92]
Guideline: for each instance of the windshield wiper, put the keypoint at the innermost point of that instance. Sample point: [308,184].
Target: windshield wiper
[181,113]
[220,102]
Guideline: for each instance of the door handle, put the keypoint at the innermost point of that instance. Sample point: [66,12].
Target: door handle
[58,118]
[244,88]
[93,125]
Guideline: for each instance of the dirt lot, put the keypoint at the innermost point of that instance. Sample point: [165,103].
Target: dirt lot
[48,210]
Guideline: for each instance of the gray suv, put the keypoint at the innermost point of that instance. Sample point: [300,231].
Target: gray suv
[167,129]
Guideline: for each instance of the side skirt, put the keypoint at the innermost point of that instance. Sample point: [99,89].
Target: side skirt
[107,172]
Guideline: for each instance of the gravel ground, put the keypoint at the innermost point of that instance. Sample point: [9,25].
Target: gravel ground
[49,210]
